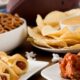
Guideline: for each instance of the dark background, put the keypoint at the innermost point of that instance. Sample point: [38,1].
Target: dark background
[28,9]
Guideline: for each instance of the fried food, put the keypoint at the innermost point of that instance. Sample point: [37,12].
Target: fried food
[37,38]
[70,66]
[46,30]
[54,17]
[19,63]
[12,67]
[39,21]
[73,12]
[58,33]
[46,34]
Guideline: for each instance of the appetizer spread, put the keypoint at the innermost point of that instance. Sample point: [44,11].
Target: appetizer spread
[9,22]
[12,67]
[51,33]
[70,66]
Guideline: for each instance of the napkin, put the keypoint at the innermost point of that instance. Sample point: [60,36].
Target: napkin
[31,55]
[55,57]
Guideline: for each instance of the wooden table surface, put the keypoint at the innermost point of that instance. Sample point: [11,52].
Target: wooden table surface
[41,55]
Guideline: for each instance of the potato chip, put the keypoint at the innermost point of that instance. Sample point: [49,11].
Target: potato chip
[71,41]
[37,38]
[57,43]
[71,35]
[76,46]
[36,30]
[73,12]
[35,35]
[59,32]
[54,17]
[39,21]
[46,34]
[77,30]
[41,43]
[46,30]
[70,21]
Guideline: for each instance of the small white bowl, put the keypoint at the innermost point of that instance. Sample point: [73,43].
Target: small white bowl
[71,27]
[12,39]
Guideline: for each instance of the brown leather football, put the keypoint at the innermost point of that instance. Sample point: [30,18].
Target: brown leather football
[28,9]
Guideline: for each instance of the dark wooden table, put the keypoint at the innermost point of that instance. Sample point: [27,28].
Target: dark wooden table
[41,55]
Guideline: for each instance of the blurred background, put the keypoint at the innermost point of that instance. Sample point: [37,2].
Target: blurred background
[3,4]
[28,9]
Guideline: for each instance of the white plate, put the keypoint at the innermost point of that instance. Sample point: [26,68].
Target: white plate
[52,72]
[3,2]
[56,50]
[34,67]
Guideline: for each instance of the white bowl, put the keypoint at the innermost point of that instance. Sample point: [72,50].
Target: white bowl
[71,27]
[12,39]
